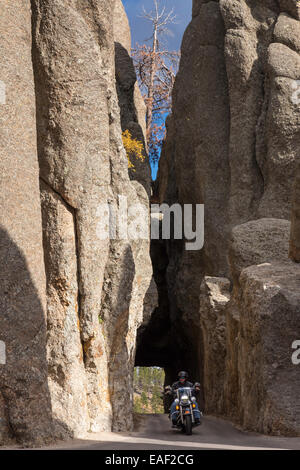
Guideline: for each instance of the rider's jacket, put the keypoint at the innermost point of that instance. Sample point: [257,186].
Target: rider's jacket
[177,385]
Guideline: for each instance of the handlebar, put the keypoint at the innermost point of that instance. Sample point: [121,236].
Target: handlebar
[169,391]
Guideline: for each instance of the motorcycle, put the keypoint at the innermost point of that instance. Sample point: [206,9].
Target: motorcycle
[185,402]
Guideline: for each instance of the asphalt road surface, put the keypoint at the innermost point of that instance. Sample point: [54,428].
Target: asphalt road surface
[155,433]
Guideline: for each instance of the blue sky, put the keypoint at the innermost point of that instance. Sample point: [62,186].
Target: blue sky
[140,28]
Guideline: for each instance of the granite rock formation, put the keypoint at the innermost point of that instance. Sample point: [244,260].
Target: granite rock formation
[256,242]
[215,295]
[295,231]
[261,386]
[25,410]
[71,301]
[233,145]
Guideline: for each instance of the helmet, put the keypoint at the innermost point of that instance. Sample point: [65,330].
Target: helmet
[183,375]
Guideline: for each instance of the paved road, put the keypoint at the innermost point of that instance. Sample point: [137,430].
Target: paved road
[155,433]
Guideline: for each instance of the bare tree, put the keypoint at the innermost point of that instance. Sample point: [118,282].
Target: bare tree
[156,70]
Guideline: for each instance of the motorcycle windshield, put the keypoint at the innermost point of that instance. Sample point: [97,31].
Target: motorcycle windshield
[184,391]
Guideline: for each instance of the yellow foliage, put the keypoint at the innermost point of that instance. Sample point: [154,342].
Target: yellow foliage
[133,147]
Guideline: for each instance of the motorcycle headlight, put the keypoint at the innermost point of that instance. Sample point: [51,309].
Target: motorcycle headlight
[184,399]
[176,401]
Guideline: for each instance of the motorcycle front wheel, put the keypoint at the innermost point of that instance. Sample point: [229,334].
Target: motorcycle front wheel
[188,425]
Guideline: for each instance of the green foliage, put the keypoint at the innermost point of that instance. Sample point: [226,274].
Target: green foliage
[137,407]
[144,399]
[148,387]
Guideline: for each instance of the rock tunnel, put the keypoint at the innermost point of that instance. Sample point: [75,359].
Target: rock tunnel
[169,340]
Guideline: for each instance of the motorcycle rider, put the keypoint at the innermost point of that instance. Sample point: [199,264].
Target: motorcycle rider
[183,382]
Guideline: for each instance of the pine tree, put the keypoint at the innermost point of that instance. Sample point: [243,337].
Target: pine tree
[144,399]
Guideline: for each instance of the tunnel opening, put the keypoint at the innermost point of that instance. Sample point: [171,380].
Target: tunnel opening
[148,384]
[170,340]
